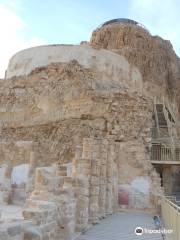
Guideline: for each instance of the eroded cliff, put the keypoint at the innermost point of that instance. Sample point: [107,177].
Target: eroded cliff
[154,56]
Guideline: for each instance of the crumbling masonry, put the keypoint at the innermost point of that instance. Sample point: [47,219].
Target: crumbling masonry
[79,124]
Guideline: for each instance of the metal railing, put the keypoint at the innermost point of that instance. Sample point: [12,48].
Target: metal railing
[124,21]
[161,153]
[171,216]
[175,199]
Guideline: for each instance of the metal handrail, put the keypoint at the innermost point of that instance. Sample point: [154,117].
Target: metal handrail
[158,133]
[170,130]
[123,21]
[162,153]
[168,199]
[156,116]
[171,216]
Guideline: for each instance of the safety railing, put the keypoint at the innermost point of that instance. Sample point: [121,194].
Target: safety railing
[175,199]
[161,153]
[171,217]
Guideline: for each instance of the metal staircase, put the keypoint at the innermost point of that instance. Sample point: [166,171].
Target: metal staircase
[160,115]
[165,142]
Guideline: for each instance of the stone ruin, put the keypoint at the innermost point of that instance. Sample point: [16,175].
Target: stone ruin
[75,123]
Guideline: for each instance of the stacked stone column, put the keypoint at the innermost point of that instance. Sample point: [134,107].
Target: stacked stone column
[31,174]
[109,190]
[67,210]
[83,173]
[5,188]
[94,183]
[103,179]
[115,187]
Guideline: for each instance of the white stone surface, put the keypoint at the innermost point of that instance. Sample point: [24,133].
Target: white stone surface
[20,174]
[10,212]
[1,175]
[113,68]
[141,184]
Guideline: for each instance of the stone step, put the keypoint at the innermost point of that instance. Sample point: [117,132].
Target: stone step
[39,216]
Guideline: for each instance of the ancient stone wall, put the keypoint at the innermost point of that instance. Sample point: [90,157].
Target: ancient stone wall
[73,110]
[69,198]
[121,117]
[64,202]
[141,188]
[80,117]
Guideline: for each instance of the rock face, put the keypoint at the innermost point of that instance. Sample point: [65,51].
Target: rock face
[80,118]
[153,56]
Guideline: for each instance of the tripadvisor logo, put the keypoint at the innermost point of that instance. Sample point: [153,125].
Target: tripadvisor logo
[139,231]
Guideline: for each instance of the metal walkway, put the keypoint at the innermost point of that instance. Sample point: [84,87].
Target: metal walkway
[121,226]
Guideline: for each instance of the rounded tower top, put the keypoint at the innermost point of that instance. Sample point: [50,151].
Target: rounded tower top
[123,21]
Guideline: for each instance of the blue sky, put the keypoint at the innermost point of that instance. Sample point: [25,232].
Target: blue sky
[26,23]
